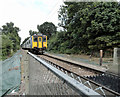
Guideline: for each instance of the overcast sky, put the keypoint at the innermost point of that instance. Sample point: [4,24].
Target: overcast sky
[27,14]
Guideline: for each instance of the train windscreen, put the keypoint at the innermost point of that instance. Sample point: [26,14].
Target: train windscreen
[35,39]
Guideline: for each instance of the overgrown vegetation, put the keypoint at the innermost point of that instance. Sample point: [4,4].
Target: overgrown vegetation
[88,27]
[10,40]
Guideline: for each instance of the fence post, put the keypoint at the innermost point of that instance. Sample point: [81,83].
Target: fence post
[116,56]
[101,55]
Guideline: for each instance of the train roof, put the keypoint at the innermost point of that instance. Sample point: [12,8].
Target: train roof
[38,35]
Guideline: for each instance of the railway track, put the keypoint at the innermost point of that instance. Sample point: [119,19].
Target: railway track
[99,80]
[71,67]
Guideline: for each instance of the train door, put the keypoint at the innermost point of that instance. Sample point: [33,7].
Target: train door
[39,42]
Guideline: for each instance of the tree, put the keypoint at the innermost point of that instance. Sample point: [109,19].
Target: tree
[63,16]
[32,32]
[47,28]
[103,30]
[10,38]
[90,26]
[12,32]
[7,45]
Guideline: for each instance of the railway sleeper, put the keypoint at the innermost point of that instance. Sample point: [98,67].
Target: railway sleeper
[108,81]
[104,79]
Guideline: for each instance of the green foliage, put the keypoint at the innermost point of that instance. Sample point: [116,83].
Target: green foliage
[47,28]
[10,39]
[88,26]
[32,32]
[6,45]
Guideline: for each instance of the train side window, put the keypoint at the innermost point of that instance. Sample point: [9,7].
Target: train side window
[35,39]
[44,39]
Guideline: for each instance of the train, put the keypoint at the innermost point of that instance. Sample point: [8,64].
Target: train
[36,43]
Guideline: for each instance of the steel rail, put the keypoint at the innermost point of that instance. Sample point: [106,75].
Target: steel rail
[95,70]
[93,82]
[79,87]
[92,69]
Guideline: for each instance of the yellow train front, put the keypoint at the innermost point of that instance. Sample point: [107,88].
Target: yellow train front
[36,43]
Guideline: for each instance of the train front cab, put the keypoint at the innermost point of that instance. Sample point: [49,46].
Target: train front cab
[39,42]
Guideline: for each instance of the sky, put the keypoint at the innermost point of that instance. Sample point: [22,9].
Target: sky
[27,14]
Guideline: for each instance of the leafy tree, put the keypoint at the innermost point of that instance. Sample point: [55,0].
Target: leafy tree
[47,28]
[10,39]
[9,28]
[54,43]
[32,32]
[6,45]
[12,32]
[90,26]
[62,16]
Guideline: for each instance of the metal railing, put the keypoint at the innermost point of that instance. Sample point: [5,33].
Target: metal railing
[50,74]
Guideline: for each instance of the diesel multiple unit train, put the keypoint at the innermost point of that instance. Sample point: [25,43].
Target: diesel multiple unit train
[36,43]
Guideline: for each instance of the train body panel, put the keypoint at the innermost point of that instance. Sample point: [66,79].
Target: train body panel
[36,42]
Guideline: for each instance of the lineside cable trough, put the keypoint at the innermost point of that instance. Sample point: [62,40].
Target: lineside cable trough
[76,85]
